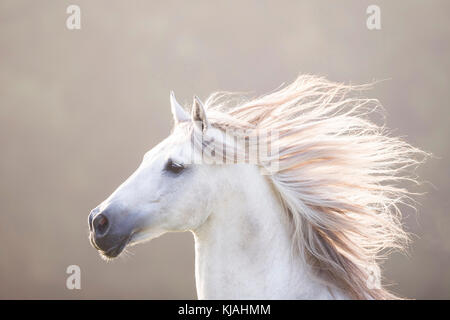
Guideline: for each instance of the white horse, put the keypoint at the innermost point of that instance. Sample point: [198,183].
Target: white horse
[309,221]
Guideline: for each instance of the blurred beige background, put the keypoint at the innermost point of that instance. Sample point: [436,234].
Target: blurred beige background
[80,108]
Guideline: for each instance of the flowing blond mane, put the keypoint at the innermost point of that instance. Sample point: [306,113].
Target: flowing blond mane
[338,178]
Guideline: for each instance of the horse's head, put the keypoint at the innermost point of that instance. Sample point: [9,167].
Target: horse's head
[166,193]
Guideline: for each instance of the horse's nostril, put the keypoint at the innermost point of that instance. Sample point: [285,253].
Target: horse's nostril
[101,224]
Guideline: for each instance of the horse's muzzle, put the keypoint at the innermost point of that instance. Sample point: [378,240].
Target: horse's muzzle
[105,234]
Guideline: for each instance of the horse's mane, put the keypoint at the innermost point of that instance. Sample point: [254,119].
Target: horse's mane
[338,176]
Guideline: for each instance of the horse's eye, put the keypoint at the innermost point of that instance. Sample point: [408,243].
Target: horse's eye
[173,167]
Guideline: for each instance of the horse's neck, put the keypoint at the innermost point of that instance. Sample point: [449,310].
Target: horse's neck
[243,250]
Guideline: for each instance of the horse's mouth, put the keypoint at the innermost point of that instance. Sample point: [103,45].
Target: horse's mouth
[137,236]
[114,251]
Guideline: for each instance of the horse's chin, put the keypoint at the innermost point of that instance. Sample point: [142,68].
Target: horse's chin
[115,251]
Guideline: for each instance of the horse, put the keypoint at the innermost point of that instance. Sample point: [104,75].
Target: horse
[308,217]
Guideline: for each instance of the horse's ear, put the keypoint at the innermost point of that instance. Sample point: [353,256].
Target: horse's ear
[198,115]
[178,113]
